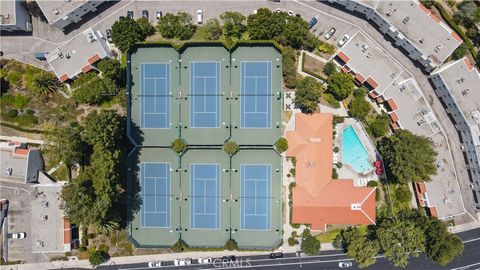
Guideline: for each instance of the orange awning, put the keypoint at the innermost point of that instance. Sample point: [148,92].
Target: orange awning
[394,125]
[359,78]
[64,78]
[92,60]
[372,83]
[343,57]
[87,68]
[391,103]
[394,117]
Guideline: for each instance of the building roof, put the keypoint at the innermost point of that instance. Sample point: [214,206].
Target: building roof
[55,10]
[14,158]
[429,34]
[332,201]
[463,83]
[7,12]
[367,59]
[68,60]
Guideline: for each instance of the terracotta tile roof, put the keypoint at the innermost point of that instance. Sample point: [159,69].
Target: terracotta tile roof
[391,103]
[394,117]
[316,192]
[456,36]
[67,236]
[433,211]
[422,188]
[87,68]
[343,57]
[92,60]
[422,7]
[394,125]
[22,152]
[64,78]
[437,20]
[372,82]
[468,63]
[359,78]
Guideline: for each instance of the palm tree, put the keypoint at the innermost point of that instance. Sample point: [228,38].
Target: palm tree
[45,83]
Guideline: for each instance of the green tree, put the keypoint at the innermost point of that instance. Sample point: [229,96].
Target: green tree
[403,194]
[98,257]
[310,245]
[408,157]
[233,24]
[400,239]
[359,108]
[427,3]
[168,25]
[308,94]
[187,29]
[146,27]
[91,89]
[460,51]
[340,85]
[363,250]
[213,30]
[379,126]
[230,147]
[442,247]
[45,83]
[65,145]
[329,68]
[265,25]
[295,32]
[179,26]
[79,200]
[178,145]
[110,68]
[468,13]
[105,129]
[231,245]
[125,33]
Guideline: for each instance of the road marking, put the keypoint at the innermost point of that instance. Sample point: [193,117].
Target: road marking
[466,266]
[471,240]
[22,189]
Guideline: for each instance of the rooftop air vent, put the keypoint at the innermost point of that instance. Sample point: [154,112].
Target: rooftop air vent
[55,11]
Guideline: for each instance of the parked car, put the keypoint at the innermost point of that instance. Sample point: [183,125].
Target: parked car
[121,18]
[230,258]
[312,23]
[130,14]
[18,235]
[278,10]
[204,260]
[180,262]
[345,264]
[109,35]
[199,16]
[155,264]
[343,40]
[145,14]
[276,255]
[330,33]
[290,13]
[159,15]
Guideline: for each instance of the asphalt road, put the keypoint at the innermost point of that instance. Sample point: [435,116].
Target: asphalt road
[470,259]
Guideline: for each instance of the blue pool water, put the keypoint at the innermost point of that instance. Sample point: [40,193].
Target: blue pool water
[353,151]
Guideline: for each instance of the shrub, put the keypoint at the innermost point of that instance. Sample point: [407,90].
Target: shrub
[311,246]
[372,183]
[339,165]
[82,249]
[281,145]
[13,77]
[289,70]
[178,145]
[334,174]
[329,68]
[231,245]
[293,171]
[103,248]
[30,111]
[98,257]
[403,194]
[179,246]
[12,113]
[230,148]
[306,233]
[292,241]
[295,226]
[331,100]
[336,149]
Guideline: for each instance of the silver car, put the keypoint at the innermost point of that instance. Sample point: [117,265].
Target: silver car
[330,33]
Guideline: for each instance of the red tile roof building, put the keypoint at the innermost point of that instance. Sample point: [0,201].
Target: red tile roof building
[317,198]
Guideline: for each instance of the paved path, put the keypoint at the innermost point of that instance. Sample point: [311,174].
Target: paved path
[21,139]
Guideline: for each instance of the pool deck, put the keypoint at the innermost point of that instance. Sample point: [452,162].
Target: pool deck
[347,171]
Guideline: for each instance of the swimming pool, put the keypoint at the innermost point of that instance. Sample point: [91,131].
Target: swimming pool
[353,151]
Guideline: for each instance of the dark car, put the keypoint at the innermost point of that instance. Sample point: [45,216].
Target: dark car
[276,255]
[109,35]
[121,18]
[145,14]
[130,14]
[312,23]
[230,258]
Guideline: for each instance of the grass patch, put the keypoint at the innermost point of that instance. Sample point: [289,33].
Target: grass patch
[286,116]
[310,66]
[61,174]
[330,100]
[329,236]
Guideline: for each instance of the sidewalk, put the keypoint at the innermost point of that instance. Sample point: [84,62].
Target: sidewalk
[20,139]
[464,227]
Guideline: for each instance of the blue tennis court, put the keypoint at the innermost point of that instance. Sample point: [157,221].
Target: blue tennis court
[156,195]
[255,196]
[256,94]
[205,94]
[155,95]
[205,196]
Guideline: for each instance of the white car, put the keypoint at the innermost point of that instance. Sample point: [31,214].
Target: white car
[199,16]
[330,33]
[204,260]
[290,13]
[155,264]
[278,10]
[18,235]
[343,40]
[345,264]
[255,11]
[181,262]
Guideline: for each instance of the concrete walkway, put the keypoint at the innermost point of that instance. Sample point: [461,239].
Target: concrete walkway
[21,139]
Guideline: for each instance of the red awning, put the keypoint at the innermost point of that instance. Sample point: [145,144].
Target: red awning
[64,78]
[372,83]
[394,117]
[391,103]
[394,125]
[87,68]
[359,78]
[343,57]
[92,60]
